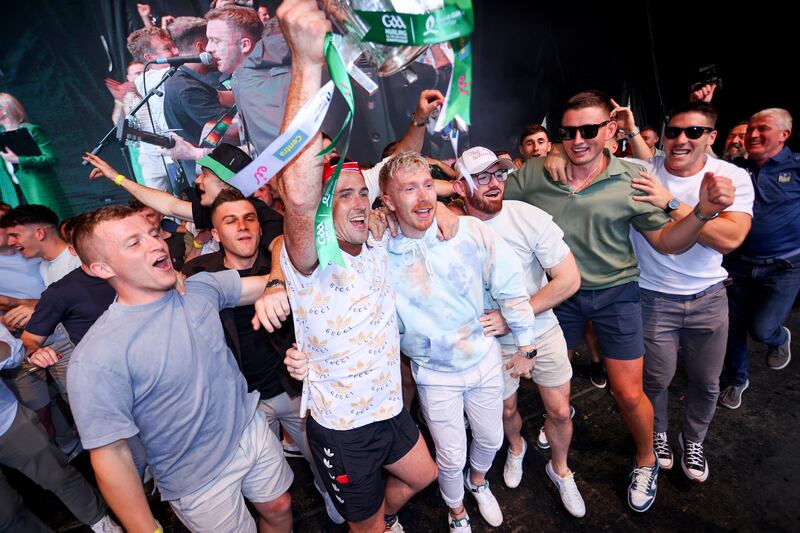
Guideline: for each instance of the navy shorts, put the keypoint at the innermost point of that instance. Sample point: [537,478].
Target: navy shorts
[350,461]
[616,315]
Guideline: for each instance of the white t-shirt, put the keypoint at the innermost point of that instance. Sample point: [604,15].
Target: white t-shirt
[346,320]
[699,267]
[539,244]
[63,264]
[372,179]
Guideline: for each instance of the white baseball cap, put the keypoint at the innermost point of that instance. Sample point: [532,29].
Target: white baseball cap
[477,159]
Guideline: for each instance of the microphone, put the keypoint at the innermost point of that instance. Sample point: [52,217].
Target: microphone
[204,58]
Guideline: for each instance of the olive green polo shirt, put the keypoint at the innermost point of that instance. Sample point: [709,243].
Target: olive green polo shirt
[596,221]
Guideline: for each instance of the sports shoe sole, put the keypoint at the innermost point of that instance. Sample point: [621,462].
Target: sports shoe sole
[789,359]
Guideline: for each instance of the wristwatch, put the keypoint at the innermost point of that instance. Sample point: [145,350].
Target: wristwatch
[672,205]
[529,355]
[701,217]
[633,133]
[274,282]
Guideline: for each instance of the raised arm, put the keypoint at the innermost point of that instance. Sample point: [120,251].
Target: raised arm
[626,122]
[300,185]
[121,487]
[161,201]
[429,100]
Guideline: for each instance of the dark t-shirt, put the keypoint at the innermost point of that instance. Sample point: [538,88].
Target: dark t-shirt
[271,222]
[189,103]
[77,300]
[259,361]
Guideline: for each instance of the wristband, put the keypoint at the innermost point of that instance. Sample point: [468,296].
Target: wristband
[196,244]
[701,217]
[119,179]
[158,530]
[417,124]
[275,282]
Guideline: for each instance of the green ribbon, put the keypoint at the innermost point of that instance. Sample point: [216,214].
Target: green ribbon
[458,101]
[327,245]
[454,20]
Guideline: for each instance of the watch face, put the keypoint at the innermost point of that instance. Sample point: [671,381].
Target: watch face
[673,204]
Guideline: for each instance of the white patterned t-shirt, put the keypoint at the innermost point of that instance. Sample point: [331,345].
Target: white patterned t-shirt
[345,319]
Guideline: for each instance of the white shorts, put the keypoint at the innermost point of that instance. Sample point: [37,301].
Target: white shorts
[551,368]
[258,472]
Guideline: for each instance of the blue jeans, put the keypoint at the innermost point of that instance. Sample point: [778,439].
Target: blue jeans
[759,301]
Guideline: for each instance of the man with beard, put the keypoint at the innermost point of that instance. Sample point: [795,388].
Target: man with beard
[544,255]
[734,142]
[455,366]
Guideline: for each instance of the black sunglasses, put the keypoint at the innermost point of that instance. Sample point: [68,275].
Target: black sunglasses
[692,132]
[588,131]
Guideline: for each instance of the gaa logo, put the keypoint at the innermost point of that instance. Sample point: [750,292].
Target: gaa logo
[393,22]
[260,174]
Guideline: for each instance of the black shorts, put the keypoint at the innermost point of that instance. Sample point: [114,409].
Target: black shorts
[349,462]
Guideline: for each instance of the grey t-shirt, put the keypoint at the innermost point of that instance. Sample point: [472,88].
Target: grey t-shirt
[163,370]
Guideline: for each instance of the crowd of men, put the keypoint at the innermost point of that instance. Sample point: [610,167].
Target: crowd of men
[191,339]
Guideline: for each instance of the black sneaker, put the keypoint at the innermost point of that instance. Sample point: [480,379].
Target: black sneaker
[663,451]
[597,375]
[693,462]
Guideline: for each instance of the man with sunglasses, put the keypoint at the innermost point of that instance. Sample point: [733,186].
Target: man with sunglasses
[683,296]
[539,245]
[595,210]
[765,270]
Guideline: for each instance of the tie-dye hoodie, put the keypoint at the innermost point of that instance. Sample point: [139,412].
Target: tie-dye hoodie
[440,292]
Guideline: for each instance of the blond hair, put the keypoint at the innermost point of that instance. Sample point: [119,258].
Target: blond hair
[401,162]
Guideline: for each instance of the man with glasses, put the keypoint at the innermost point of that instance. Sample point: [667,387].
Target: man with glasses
[765,271]
[595,210]
[683,296]
[539,245]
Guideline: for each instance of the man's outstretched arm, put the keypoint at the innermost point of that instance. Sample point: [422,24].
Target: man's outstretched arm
[304,27]
[161,201]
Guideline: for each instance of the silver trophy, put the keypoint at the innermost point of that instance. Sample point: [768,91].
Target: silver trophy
[387,59]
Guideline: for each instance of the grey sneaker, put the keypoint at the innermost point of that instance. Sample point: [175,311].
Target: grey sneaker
[731,397]
[779,357]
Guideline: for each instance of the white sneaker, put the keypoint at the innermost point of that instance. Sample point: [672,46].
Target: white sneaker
[541,440]
[333,514]
[459,525]
[512,471]
[570,495]
[487,503]
[106,525]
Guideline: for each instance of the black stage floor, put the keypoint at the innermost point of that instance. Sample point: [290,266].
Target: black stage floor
[754,482]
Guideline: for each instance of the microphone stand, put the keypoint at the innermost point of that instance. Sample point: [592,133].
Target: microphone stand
[111,136]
